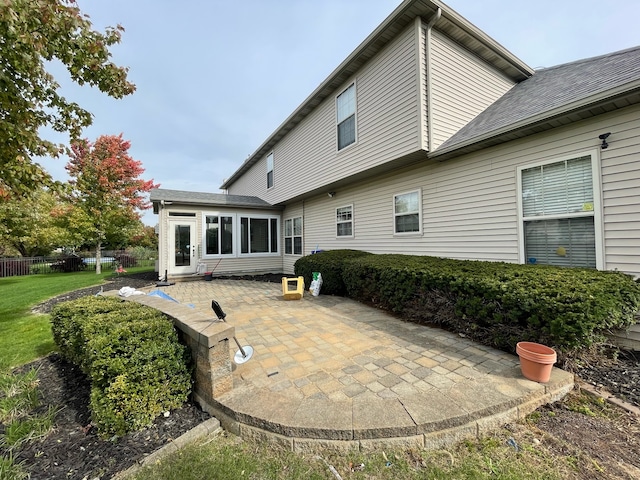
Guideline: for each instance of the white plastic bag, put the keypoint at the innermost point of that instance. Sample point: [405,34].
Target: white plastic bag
[316,283]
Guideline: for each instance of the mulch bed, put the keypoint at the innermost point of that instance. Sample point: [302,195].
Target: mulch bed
[75,451]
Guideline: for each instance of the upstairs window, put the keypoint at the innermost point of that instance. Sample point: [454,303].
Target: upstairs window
[344,221]
[346,117]
[270,170]
[406,212]
[293,236]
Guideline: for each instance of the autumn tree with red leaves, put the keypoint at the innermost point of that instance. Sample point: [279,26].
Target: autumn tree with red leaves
[106,188]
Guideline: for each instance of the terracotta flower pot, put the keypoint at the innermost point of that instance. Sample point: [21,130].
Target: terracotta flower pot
[536,361]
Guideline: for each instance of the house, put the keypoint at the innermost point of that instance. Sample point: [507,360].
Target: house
[432,139]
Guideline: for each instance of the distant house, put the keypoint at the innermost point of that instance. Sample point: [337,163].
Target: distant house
[432,139]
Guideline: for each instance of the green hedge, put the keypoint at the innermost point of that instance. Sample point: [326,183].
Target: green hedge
[330,264]
[131,353]
[499,303]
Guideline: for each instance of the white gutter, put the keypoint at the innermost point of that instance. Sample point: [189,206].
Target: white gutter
[430,25]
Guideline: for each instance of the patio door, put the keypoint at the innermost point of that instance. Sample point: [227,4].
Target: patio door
[182,247]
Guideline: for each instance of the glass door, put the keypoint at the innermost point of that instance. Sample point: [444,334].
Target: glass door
[182,247]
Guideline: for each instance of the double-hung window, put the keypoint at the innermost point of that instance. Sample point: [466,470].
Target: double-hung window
[346,117]
[559,211]
[344,221]
[293,236]
[407,212]
[218,237]
[270,170]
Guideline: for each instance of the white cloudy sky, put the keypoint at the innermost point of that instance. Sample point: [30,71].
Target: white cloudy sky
[214,78]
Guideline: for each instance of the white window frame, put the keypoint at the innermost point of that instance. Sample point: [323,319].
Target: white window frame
[233,234]
[293,236]
[237,234]
[339,222]
[270,170]
[596,213]
[418,191]
[252,216]
[355,117]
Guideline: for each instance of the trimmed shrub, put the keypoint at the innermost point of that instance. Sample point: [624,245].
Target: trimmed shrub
[330,264]
[500,302]
[131,353]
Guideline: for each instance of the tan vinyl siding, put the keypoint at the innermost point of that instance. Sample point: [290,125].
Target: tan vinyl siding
[462,87]
[388,126]
[621,191]
[470,203]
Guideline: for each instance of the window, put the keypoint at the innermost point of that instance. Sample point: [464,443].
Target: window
[270,170]
[293,236]
[258,235]
[218,235]
[346,117]
[344,221]
[407,212]
[559,212]
[234,234]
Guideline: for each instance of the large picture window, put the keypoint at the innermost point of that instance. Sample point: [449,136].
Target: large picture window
[407,212]
[559,205]
[218,235]
[346,117]
[344,221]
[258,235]
[293,236]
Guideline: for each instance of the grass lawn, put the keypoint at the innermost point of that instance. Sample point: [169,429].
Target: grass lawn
[25,336]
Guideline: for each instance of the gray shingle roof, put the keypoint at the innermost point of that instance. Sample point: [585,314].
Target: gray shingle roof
[202,198]
[548,91]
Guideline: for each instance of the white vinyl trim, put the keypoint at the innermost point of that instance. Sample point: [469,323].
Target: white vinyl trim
[342,222]
[418,211]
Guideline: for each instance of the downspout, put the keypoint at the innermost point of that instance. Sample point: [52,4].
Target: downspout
[430,25]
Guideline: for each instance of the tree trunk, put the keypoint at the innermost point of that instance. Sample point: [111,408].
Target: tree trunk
[98,259]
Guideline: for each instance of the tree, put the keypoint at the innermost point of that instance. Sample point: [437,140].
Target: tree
[146,238]
[33,32]
[28,224]
[106,188]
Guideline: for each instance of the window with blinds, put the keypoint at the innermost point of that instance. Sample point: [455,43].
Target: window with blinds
[558,206]
[346,116]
